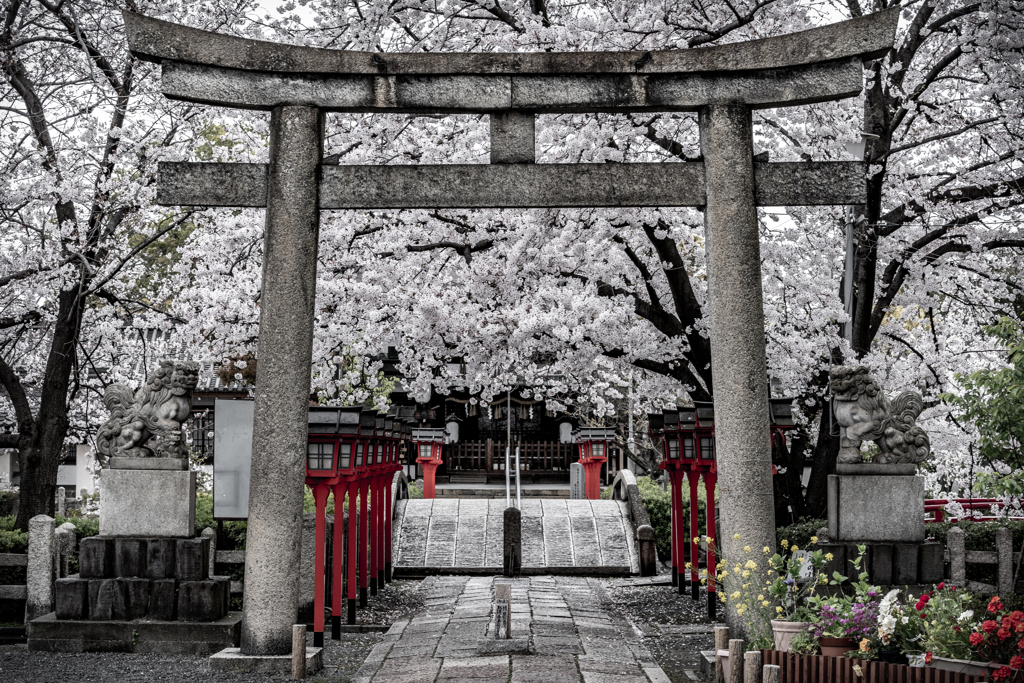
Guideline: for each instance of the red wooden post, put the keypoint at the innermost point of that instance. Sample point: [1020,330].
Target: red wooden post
[364,486]
[675,536]
[710,478]
[389,479]
[379,513]
[693,477]
[320,493]
[339,557]
[353,548]
[371,483]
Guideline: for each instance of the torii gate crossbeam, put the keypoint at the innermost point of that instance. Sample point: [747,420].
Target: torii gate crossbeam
[299,84]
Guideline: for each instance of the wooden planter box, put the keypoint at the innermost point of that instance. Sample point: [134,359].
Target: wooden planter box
[818,669]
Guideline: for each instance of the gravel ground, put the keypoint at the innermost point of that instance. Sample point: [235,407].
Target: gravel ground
[675,627]
[341,657]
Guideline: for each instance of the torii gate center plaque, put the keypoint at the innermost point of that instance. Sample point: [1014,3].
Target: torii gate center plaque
[299,84]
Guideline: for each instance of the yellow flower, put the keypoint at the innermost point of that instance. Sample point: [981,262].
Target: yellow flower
[751,564]
[800,560]
[784,543]
[723,574]
[735,595]
[703,580]
[814,539]
[760,597]
[745,586]
[696,539]
[765,604]
[865,645]
[746,574]
[689,566]
[778,610]
[721,596]
[735,537]
[829,556]
[746,548]
[795,549]
[824,579]
[766,550]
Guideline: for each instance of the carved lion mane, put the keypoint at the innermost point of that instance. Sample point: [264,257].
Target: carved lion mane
[155,411]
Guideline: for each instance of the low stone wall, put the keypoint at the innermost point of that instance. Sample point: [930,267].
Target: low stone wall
[625,488]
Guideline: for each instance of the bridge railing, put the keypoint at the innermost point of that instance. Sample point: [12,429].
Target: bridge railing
[625,488]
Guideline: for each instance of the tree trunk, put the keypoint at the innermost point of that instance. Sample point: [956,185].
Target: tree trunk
[826,450]
[40,459]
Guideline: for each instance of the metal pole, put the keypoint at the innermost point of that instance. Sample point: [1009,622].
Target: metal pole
[519,504]
[848,278]
[508,484]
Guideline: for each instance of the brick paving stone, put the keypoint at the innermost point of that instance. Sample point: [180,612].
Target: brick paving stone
[596,677]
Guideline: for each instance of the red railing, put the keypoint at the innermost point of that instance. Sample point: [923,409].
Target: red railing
[935,509]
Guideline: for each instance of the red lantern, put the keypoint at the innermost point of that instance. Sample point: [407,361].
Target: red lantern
[593,446]
[428,442]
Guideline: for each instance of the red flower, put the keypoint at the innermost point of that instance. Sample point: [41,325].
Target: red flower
[925,598]
[928,659]
[941,585]
[1015,662]
[956,629]
[1016,616]
[1003,633]
[995,604]
[988,626]
[1001,673]
[1020,645]
[976,639]
[923,615]
[1019,628]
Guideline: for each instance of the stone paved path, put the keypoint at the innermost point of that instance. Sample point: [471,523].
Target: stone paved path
[575,637]
[557,534]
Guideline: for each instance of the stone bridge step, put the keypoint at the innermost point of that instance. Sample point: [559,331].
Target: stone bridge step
[459,536]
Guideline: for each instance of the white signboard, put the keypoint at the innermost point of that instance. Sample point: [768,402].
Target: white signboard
[232,458]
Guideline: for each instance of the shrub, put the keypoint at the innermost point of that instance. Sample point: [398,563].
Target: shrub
[799,534]
[12,541]
[657,500]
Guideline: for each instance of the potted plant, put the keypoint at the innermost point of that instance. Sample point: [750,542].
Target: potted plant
[948,623]
[793,581]
[842,621]
[998,640]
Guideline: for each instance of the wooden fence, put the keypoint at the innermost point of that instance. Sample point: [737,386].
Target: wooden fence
[489,456]
[795,668]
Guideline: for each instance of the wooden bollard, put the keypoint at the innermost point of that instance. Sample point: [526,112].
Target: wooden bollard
[751,667]
[736,648]
[298,652]
[721,643]
[770,673]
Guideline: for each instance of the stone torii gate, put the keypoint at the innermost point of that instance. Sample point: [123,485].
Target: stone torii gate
[299,84]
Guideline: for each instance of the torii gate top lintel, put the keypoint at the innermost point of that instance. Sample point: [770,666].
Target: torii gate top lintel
[867,37]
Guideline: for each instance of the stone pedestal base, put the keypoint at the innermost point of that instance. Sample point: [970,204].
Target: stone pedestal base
[47,634]
[154,503]
[232,659]
[876,506]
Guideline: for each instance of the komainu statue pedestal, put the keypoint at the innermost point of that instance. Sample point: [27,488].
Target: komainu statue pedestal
[880,507]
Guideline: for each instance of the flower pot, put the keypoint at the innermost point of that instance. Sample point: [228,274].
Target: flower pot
[785,630]
[836,647]
[892,657]
[962,666]
[724,654]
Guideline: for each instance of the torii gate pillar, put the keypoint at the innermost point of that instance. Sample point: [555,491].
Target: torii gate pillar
[284,354]
[738,364]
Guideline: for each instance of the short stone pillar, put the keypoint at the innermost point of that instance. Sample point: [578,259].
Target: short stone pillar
[502,611]
[513,542]
[647,548]
[955,541]
[211,535]
[577,482]
[40,573]
[64,546]
[62,501]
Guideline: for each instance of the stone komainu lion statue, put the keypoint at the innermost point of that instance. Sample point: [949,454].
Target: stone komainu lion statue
[865,414]
[155,411]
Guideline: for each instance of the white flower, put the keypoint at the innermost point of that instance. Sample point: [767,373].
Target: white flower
[966,616]
[905,620]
